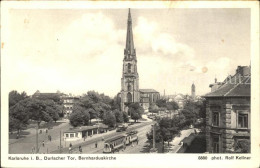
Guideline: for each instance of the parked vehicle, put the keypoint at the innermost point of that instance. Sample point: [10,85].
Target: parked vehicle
[122,127]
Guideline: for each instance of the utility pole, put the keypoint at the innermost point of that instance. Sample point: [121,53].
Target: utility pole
[60,141]
[37,138]
[154,136]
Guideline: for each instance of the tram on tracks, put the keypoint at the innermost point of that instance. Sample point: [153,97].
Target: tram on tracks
[116,143]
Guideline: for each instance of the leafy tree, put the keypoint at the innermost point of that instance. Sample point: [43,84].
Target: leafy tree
[153,108]
[125,117]
[161,103]
[110,119]
[53,109]
[119,116]
[79,116]
[54,97]
[172,105]
[18,116]
[39,110]
[15,97]
[135,111]
[189,116]
[96,104]
[115,103]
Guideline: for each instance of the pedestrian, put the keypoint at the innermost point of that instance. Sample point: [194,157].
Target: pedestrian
[50,138]
[32,149]
[84,137]
[17,136]
[42,143]
[69,149]
[80,149]
[46,130]
[70,145]
[96,144]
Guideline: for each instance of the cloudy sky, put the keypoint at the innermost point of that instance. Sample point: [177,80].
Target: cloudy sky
[79,50]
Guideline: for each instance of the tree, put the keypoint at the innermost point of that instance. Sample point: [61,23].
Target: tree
[15,97]
[39,110]
[125,117]
[118,115]
[115,103]
[110,119]
[79,116]
[172,106]
[161,103]
[135,111]
[96,104]
[18,116]
[153,108]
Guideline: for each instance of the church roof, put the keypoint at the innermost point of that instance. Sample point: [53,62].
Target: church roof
[148,91]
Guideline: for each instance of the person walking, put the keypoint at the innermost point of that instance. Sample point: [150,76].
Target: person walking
[80,149]
[96,144]
[50,138]
[42,143]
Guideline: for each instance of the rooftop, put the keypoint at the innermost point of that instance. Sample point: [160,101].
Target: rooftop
[148,91]
[233,86]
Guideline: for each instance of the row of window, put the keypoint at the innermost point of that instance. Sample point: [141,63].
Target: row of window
[71,135]
[242,119]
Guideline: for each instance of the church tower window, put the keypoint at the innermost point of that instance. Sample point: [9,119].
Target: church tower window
[129,68]
[129,97]
[129,87]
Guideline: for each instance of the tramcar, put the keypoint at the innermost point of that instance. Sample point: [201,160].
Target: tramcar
[131,137]
[116,143]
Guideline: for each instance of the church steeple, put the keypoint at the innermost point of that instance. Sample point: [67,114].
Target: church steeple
[130,78]
[129,51]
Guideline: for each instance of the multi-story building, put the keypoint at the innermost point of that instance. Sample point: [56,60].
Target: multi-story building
[68,103]
[228,114]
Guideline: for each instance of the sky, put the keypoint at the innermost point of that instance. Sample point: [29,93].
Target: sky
[78,50]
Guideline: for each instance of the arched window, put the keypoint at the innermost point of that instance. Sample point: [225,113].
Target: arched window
[128,87]
[129,67]
[129,97]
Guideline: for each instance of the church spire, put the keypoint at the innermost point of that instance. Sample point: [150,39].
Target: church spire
[129,48]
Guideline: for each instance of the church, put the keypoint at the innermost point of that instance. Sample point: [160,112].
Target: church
[130,92]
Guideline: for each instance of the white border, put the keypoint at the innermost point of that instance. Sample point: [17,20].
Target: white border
[138,160]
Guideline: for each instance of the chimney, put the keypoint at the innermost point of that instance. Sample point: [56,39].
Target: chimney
[243,70]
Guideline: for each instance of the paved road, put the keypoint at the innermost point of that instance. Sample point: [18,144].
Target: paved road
[24,145]
[89,146]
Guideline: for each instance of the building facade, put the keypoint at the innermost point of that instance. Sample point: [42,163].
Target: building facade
[148,96]
[228,114]
[130,92]
[68,103]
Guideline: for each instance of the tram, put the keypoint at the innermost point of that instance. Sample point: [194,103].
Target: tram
[131,137]
[116,143]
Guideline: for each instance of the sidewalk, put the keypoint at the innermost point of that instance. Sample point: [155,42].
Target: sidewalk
[175,145]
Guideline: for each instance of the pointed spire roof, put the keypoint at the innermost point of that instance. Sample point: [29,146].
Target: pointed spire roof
[129,48]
